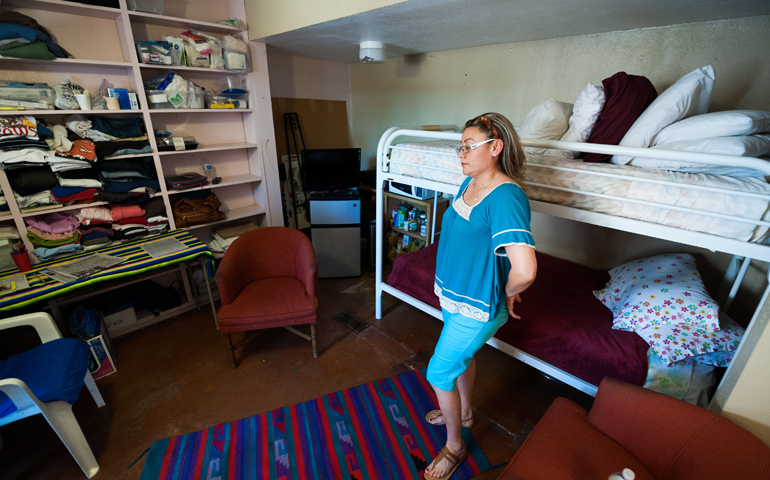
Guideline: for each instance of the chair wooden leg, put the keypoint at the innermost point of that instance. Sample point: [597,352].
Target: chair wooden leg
[230,351]
[313,340]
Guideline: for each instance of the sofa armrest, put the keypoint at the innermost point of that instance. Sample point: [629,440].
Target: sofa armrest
[653,427]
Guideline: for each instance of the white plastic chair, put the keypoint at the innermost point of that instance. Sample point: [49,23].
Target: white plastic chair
[59,414]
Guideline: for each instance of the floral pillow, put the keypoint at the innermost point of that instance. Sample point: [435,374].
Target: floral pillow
[688,344]
[660,290]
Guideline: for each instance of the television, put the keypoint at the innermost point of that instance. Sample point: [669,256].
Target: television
[330,169]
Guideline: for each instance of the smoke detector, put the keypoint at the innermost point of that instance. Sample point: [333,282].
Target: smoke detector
[373,52]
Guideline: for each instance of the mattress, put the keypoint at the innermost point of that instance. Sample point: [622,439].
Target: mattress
[416,160]
[561,321]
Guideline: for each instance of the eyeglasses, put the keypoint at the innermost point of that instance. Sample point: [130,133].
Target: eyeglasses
[466,149]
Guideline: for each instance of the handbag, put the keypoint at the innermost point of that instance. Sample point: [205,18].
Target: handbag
[186,180]
[188,212]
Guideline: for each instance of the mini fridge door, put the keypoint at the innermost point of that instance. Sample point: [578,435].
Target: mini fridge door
[338,250]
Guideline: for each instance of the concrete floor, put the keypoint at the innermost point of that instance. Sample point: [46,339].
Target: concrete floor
[173,378]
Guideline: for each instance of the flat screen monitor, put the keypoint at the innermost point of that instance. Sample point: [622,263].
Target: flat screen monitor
[330,169]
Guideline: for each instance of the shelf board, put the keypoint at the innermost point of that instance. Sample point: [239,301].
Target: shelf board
[63,209]
[226,182]
[411,234]
[167,21]
[212,148]
[201,110]
[60,6]
[69,112]
[190,69]
[234,214]
[69,62]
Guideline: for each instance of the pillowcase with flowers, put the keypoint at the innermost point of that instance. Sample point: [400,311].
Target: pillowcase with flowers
[688,344]
[660,290]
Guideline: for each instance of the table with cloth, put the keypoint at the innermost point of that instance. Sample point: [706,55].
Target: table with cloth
[137,262]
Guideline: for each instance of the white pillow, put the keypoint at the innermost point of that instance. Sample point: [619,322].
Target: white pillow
[716,124]
[744,146]
[687,97]
[585,114]
[547,121]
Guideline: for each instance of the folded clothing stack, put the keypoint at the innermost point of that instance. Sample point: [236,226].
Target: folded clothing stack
[52,229]
[225,235]
[135,175]
[22,37]
[39,157]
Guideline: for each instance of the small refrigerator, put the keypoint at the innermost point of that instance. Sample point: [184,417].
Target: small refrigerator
[335,227]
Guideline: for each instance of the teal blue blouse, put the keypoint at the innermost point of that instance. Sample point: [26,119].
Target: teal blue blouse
[471,265]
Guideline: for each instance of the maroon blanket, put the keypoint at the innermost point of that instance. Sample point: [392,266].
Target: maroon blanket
[561,322]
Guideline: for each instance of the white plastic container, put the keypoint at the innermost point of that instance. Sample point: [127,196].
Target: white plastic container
[149,6]
[175,99]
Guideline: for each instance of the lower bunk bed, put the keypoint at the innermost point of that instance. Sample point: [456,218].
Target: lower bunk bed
[564,325]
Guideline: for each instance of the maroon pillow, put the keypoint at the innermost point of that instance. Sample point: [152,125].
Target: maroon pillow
[627,97]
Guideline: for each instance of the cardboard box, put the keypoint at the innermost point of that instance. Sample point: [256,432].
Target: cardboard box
[103,352]
[119,320]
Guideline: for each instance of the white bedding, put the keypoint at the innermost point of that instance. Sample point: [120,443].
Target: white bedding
[441,154]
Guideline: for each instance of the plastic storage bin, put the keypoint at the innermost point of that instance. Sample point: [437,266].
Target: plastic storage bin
[175,98]
[36,96]
[226,100]
[149,6]
[158,53]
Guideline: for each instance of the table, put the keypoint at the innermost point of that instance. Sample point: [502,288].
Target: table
[138,262]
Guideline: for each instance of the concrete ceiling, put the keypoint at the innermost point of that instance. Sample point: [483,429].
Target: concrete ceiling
[420,26]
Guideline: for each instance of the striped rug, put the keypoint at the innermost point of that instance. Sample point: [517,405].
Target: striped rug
[370,432]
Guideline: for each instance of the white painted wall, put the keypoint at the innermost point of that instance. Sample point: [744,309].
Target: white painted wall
[452,86]
[299,77]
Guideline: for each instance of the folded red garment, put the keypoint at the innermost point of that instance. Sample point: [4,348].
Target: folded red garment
[87,194]
[126,211]
[82,149]
[133,221]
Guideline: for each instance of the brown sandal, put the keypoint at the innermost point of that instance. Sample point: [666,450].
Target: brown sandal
[435,420]
[454,459]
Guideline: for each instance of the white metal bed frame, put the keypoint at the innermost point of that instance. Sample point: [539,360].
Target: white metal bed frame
[742,252]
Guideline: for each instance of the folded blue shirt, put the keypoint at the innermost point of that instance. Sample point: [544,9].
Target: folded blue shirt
[60,192]
[45,253]
[120,187]
[11,30]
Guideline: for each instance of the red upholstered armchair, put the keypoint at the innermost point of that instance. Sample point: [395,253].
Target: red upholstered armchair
[268,278]
[656,436]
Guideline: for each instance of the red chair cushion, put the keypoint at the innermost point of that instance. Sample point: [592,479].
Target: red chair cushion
[267,303]
[566,446]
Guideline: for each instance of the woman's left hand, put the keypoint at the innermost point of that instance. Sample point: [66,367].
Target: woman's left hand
[509,302]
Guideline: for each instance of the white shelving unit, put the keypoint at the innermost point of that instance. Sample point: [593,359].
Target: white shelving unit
[239,143]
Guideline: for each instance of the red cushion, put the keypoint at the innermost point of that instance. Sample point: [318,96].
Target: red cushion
[564,445]
[267,303]
[627,97]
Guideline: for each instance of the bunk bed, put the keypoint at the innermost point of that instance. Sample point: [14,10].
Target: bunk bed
[733,224]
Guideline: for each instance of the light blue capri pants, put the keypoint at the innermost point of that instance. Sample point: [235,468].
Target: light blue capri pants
[460,339]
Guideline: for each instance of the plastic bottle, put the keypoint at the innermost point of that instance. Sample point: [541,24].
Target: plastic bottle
[208,170]
[626,474]
[423,225]
[402,217]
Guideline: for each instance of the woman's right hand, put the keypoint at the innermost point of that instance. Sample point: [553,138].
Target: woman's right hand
[509,302]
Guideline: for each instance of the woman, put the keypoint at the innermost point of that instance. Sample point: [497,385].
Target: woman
[486,258]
